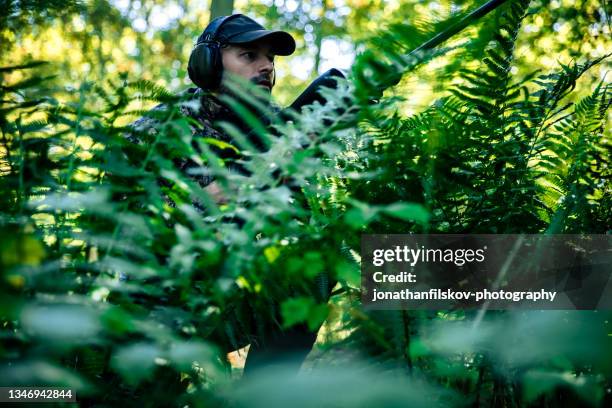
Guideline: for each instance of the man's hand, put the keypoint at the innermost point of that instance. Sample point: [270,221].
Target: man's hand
[215,192]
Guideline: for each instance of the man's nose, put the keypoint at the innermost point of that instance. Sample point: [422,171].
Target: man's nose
[266,66]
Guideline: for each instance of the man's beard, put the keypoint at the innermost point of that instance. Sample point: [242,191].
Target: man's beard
[262,93]
[263,81]
[252,96]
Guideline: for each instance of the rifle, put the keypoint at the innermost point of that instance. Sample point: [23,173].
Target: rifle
[312,93]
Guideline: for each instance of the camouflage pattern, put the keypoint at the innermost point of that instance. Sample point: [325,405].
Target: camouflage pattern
[205,109]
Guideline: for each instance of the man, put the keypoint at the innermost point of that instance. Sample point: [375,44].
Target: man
[237,46]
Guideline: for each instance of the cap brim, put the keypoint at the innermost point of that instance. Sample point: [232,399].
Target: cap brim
[282,43]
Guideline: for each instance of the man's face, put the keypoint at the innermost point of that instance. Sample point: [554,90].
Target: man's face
[252,61]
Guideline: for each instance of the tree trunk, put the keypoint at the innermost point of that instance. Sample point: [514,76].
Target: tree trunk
[221,8]
[319,34]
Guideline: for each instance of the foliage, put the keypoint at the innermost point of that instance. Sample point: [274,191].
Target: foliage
[124,279]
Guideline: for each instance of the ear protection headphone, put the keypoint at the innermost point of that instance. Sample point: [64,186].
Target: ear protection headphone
[205,67]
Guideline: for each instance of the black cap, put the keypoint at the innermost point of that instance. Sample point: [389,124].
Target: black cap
[240,29]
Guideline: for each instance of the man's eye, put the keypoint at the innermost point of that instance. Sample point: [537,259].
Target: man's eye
[249,55]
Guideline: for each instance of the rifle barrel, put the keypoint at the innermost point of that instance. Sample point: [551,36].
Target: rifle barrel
[460,25]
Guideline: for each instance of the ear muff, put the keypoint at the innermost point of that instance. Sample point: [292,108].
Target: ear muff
[205,67]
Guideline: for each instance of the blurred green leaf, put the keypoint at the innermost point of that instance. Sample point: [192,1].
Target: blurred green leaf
[407,212]
[42,373]
[349,386]
[136,362]
[313,264]
[183,355]
[117,321]
[361,215]
[350,273]
[296,310]
[303,310]
[61,323]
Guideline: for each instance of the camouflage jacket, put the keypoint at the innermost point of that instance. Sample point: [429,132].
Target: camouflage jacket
[206,111]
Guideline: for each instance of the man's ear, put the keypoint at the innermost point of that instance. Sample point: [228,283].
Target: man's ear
[273,76]
[205,65]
